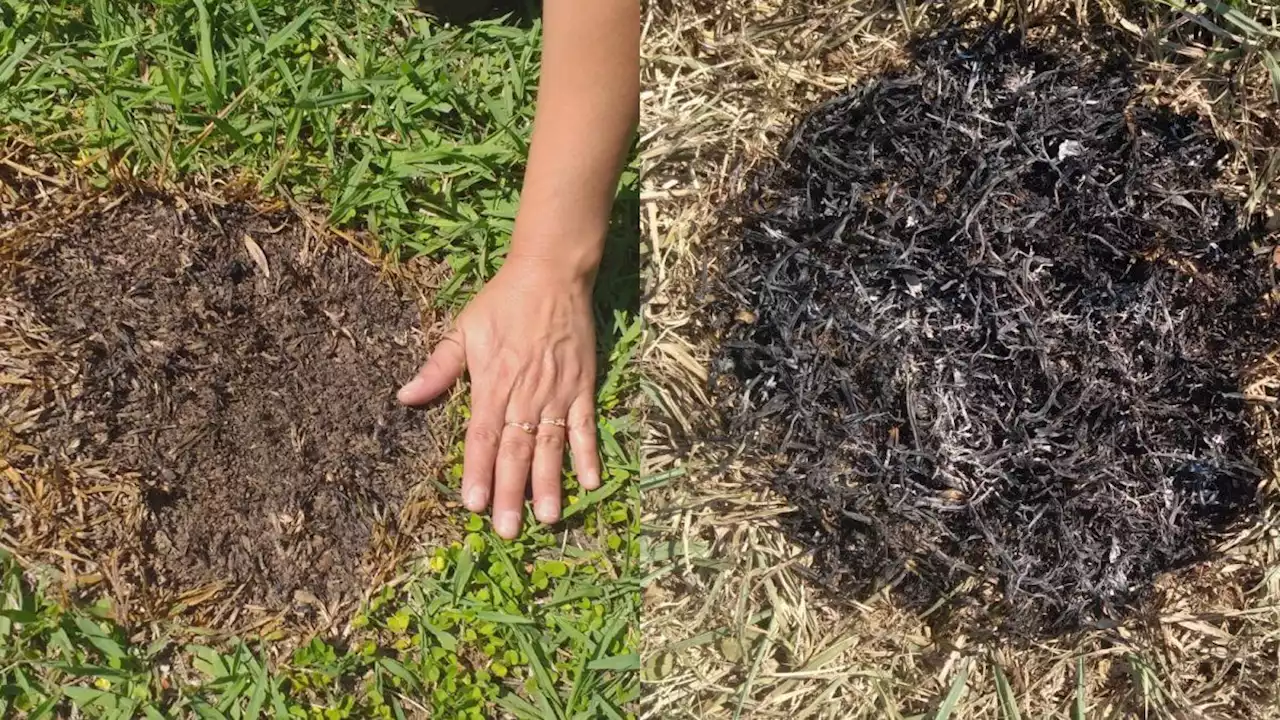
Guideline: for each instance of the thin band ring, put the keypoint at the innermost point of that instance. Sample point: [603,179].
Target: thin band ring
[558,422]
[527,428]
[453,336]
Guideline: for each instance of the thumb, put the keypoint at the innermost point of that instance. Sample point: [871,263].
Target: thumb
[440,372]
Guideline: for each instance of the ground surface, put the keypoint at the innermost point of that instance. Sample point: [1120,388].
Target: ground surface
[996,320]
[245,379]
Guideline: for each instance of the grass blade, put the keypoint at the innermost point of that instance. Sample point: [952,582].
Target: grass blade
[82,697]
[1271,58]
[592,498]
[286,33]
[1078,707]
[10,65]
[462,575]
[601,705]
[542,675]
[519,707]
[503,618]
[1008,703]
[397,669]
[890,705]
[630,661]
[258,699]
[333,99]
[207,67]
[99,639]
[948,705]
[1247,25]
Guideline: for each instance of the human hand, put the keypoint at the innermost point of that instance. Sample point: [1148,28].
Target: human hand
[527,341]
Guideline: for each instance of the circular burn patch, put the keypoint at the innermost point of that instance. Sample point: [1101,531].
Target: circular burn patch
[994,326]
[210,408]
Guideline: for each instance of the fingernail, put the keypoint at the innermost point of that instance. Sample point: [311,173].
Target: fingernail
[547,511]
[410,388]
[474,498]
[507,524]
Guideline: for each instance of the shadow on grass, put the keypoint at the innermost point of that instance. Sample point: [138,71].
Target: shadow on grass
[618,282]
[520,13]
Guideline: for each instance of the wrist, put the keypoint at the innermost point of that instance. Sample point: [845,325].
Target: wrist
[551,266]
[570,251]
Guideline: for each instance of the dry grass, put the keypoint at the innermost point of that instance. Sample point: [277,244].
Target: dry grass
[79,524]
[732,627]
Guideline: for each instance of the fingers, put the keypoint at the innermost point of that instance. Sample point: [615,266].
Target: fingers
[501,456]
[511,474]
[548,465]
[440,372]
[485,433]
[582,441]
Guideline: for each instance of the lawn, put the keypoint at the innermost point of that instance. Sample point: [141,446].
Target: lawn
[393,128]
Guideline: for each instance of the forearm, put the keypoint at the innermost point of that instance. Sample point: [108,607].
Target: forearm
[588,106]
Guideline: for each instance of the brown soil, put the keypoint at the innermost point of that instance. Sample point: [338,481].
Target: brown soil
[244,379]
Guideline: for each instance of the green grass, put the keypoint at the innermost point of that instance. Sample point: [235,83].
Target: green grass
[417,133]
[1242,29]
[414,131]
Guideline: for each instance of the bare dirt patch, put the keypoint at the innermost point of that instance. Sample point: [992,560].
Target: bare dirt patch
[239,378]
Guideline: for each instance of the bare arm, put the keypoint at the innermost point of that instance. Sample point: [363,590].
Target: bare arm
[588,106]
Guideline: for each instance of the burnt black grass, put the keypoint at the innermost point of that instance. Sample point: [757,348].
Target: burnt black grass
[992,324]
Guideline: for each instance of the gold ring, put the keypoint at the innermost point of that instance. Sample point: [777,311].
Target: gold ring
[528,428]
[558,422]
